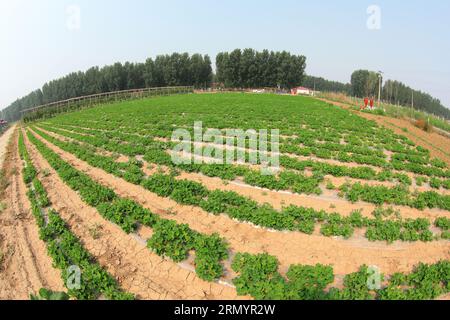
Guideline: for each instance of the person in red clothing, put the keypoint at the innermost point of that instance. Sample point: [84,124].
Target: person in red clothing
[372,101]
[366,103]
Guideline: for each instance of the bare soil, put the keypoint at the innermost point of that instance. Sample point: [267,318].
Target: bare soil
[25,267]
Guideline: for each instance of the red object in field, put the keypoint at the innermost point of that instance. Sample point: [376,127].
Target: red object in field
[366,102]
[371,103]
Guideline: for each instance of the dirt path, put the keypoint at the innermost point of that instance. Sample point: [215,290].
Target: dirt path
[26,266]
[290,247]
[438,145]
[137,269]
[4,139]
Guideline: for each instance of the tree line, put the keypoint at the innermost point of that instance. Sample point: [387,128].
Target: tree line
[365,83]
[396,92]
[165,70]
[246,68]
[321,84]
[253,69]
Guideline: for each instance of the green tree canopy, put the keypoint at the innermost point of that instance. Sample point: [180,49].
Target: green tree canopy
[252,69]
[166,70]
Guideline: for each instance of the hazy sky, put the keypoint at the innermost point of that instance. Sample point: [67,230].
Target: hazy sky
[41,40]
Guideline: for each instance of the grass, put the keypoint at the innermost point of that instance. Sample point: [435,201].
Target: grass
[392,110]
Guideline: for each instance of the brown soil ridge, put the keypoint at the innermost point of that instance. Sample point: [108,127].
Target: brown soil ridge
[4,141]
[27,267]
[137,269]
[289,247]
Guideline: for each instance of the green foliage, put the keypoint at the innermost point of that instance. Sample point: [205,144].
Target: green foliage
[292,218]
[169,239]
[355,287]
[426,282]
[398,195]
[121,212]
[41,193]
[172,240]
[309,282]
[161,184]
[164,71]
[188,192]
[66,250]
[364,83]
[443,223]
[259,277]
[357,141]
[209,252]
[45,294]
[237,69]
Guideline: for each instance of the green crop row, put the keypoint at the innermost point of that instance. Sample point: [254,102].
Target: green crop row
[398,195]
[112,141]
[259,277]
[365,173]
[286,180]
[210,250]
[293,218]
[436,183]
[316,123]
[444,224]
[65,249]
[297,182]
[130,171]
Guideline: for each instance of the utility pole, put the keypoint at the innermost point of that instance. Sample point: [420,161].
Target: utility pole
[396,94]
[380,81]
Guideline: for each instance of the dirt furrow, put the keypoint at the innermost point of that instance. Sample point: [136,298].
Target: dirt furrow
[290,247]
[27,267]
[137,269]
